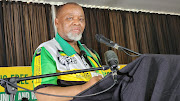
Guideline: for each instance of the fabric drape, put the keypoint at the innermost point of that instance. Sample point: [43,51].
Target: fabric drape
[140,32]
[151,77]
[25,26]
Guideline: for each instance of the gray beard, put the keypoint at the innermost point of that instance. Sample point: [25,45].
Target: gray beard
[74,37]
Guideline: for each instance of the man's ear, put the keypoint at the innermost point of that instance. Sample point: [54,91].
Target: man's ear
[56,22]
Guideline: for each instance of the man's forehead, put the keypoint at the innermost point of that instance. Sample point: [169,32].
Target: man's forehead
[71,9]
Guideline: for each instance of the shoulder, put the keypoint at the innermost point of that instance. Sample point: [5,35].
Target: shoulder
[51,42]
[51,46]
[41,51]
[43,47]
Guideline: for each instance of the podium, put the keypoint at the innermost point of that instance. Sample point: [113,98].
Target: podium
[154,77]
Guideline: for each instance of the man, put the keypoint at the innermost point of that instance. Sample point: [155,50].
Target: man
[65,53]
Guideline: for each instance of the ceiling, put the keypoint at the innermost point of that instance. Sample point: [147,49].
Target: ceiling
[153,6]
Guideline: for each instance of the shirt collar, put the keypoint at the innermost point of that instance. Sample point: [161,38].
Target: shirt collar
[67,48]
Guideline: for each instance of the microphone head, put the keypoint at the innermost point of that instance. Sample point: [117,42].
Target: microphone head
[100,38]
[82,52]
[111,58]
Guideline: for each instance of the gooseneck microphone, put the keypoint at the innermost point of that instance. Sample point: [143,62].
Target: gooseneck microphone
[111,58]
[100,38]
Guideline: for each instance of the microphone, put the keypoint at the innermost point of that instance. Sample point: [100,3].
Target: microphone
[100,38]
[111,58]
[82,52]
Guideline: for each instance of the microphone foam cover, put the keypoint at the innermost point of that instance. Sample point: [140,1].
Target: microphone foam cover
[111,57]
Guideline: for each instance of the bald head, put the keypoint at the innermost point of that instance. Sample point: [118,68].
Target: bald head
[61,8]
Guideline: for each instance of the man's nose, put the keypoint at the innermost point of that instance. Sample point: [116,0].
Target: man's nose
[76,22]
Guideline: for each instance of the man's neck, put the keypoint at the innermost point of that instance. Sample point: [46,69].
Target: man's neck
[74,44]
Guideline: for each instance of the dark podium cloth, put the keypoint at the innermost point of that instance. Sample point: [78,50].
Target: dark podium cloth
[155,77]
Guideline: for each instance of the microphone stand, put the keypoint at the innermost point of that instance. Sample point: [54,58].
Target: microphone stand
[100,38]
[118,47]
[11,89]
[114,73]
